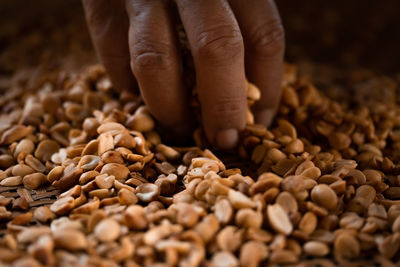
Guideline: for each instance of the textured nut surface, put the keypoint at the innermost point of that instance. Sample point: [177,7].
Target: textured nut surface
[46,149]
[70,239]
[119,171]
[316,248]
[346,246]
[34,180]
[62,205]
[279,220]
[107,230]
[11,181]
[323,195]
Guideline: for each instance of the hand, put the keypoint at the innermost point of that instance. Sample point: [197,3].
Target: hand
[138,37]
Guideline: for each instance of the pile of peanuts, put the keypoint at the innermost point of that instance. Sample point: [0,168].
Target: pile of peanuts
[325,189]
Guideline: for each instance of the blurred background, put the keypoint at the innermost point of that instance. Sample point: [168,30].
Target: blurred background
[345,34]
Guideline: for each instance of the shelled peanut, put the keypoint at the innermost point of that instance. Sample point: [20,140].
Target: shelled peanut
[326,189]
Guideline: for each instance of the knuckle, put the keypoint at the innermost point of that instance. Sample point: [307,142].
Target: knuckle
[268,39]
[228,107]
[220,44]
[151,56]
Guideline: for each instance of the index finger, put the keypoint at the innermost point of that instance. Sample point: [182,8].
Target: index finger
[218,51]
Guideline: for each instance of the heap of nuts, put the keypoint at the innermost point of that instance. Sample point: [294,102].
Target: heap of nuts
[326,193]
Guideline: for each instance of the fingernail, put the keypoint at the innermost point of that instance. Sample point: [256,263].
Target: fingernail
[265,116]
[227,138]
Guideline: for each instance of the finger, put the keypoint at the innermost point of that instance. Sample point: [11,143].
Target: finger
[264,43]
[155,62]
[108,26]
[217,47]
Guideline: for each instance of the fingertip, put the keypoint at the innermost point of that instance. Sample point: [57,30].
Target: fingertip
[227,138]
[265,116]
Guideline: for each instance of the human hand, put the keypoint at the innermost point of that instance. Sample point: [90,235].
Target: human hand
[229,40]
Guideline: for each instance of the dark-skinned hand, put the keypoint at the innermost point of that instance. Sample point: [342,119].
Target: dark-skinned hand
[229,41]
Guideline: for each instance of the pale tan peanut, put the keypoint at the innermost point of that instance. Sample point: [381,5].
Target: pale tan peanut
[389,246]
[223,211]
[207,227]
[315,248]
[62,205]
[258,154]
[346,246]
[20,204]
[70,239]
[239,200]
[295,146]
[11,181]
[15,133]
[3,175]
[46,149]
[4,213]
[365,194]
[140,122]
[107,230]
[283,256]
[100,193]
[323,195]
[290,97]
[147,192]
[170,153]
[275,155]
[89,162]
[34,180]
[112,157]
[112,128]
[157,233]
[287,202]
[248,218]
[90,126]
[30,234]
[224,259]
[229,238]
[396,225]
[22,170]
[72,192]
[69,178]
[104,181]
[119,171]
[34,163]
[60,156]
[24,146]
[187,214]
[6,161]
[89,207]
[339,140]
[252,253]
[105,143]
[124,252]
[124,140]
[179,246]
[135,217]
[127,197]
[88,176]
[308,222]
[43,250]
[4,201]
[253,92]
[43,214]
[279,220]
[91,148]
[22,219]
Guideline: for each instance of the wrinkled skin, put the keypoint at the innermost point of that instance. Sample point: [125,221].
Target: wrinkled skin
[229,41]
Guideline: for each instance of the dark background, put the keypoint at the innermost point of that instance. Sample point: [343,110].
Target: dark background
[344,34]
